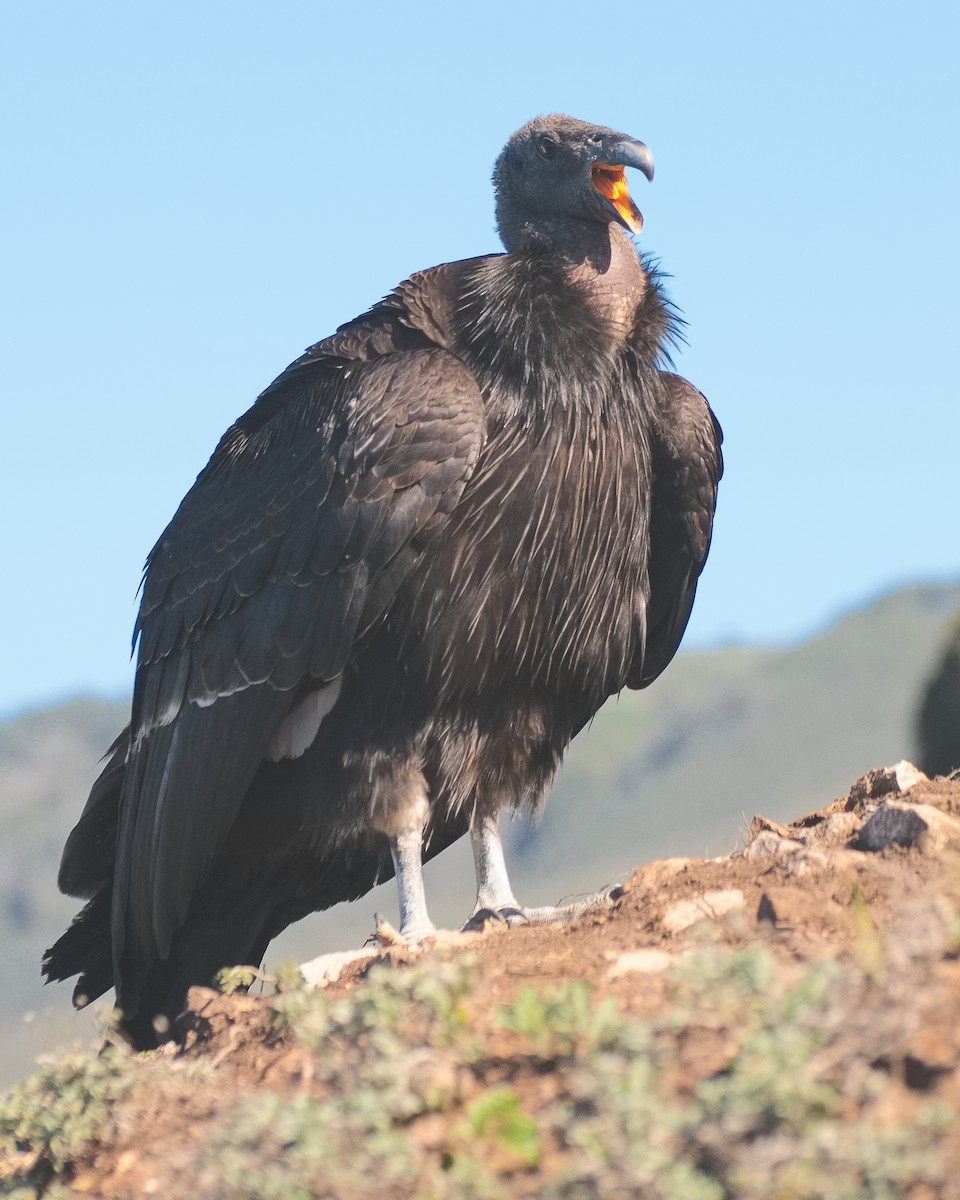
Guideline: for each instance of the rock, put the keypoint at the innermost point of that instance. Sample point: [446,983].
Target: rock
[327,968]
[897,823]
[891,825]
[684,913]
[761,824]
[647,960]
[767,844]
[886,781]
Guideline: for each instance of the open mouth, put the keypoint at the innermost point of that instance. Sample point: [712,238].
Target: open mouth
[611,182]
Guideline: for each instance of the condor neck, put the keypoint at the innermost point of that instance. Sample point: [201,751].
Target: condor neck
[602,262]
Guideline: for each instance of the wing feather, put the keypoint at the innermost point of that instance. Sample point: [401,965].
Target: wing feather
[290,545]
[687,466]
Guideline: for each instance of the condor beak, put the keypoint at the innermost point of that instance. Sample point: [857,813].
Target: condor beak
[610,179]
[628,153]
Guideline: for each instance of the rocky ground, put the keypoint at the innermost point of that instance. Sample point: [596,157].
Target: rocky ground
[780,1022]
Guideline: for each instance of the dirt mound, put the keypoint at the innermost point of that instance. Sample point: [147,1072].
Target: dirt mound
[780,1021]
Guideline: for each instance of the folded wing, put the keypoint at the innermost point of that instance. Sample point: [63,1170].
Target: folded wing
[282,557]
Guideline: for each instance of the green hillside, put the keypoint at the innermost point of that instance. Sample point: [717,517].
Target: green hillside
[749,730]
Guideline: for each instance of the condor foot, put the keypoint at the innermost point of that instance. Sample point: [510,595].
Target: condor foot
[483,917]
[548,914]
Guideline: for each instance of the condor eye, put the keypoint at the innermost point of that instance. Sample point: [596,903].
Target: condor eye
[546,145]
[595,139]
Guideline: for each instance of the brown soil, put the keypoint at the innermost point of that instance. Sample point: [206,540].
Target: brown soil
[880,863]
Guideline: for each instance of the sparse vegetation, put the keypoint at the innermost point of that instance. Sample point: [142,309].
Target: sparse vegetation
[753,1080]
[58,1114]
[777,1117]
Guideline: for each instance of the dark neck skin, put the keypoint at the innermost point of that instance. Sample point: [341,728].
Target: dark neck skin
[600,259]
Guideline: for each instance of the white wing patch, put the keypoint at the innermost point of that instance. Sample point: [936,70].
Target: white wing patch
[298,730]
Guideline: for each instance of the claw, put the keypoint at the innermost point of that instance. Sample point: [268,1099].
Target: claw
[509,916]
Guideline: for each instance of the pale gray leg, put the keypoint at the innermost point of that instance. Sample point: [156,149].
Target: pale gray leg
[407,851]
[493,885]
[495,898]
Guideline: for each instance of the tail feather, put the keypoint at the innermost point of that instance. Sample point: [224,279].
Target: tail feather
[255,888]
[89,856]
[84,950]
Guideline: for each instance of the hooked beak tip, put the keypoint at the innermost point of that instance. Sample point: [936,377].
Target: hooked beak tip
[630,153]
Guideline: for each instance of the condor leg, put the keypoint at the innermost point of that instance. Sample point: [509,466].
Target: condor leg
[406,849]
[495,898]
[494,893]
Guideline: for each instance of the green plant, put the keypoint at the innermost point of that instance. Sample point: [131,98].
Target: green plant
[497,1117]
[564,1022]
[67,1104]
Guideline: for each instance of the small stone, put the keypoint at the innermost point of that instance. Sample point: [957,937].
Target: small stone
[684,913]
[908,775]
[891,825]
[327,968]
[761,824]
[887,781]
[767,844]
[897,823]
[647,961]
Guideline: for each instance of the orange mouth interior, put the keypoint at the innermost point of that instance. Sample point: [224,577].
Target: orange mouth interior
[611,182]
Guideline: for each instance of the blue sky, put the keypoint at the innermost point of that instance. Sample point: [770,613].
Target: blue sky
[195,192]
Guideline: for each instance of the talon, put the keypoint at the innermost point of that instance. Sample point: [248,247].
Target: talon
[509,916]
[513,916]
[479,920]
